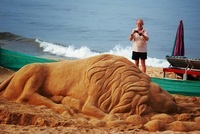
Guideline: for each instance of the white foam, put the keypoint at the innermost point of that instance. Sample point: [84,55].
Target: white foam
[69,51]
[85,52]
[125,51]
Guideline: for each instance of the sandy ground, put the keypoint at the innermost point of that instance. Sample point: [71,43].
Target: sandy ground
[22,118]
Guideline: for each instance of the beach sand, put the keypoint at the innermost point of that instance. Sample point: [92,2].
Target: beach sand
[23,118]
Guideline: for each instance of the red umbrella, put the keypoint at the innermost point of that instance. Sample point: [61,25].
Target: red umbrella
[179,49]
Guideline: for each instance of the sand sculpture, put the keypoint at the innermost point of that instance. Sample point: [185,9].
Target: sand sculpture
[107,87]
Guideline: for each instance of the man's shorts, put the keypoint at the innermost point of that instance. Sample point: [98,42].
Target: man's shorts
[139,55]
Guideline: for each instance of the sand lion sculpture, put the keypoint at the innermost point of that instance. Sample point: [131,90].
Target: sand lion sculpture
[97,86]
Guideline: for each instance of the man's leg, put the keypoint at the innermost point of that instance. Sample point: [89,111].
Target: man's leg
[143,66]
[137,63]
[135,57]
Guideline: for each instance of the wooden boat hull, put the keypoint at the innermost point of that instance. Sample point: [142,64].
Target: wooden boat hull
[14,60]
[182,87]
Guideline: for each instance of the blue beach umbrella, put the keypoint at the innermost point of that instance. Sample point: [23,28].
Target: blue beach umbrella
[179,49]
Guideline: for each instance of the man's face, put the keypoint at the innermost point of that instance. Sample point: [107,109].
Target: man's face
[139,23]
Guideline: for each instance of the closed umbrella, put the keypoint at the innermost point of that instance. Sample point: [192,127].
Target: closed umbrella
[179,49]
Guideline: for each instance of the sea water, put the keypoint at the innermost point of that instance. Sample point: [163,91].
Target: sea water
[84,28]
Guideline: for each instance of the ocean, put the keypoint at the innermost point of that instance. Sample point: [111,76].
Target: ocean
[76,29]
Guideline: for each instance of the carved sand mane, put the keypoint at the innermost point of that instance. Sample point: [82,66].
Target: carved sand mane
[96,86]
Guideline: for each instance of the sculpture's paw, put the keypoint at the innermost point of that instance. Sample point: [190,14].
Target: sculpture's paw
[110,117]
[65,110]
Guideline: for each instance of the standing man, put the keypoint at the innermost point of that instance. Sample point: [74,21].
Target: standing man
[139,49]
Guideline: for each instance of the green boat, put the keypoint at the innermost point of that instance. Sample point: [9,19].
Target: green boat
[14,61]
[182,87]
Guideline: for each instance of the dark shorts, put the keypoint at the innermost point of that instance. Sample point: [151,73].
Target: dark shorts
[139,55]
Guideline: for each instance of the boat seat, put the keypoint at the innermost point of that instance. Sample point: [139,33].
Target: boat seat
[178,65]
[195,64]
[178,62]
[195,67]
